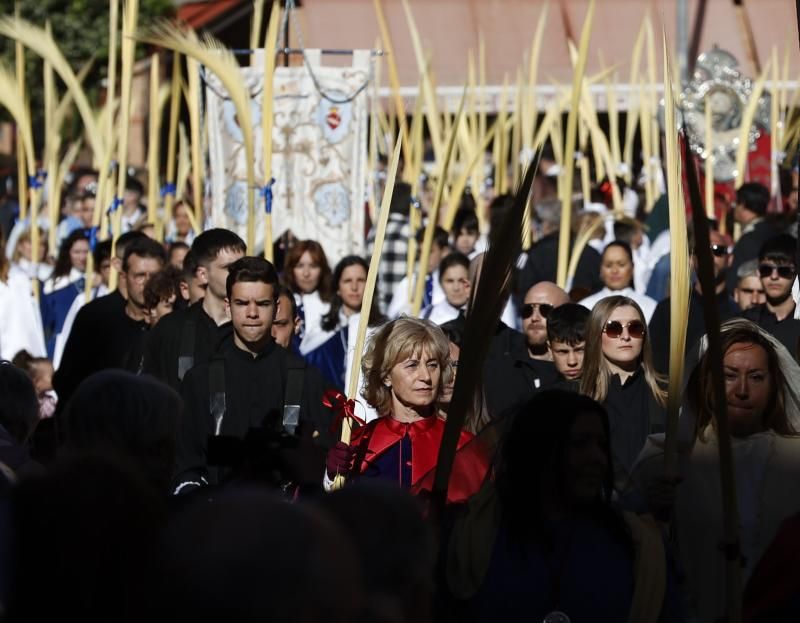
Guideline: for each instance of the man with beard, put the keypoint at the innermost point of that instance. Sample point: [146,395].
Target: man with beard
[237,404]
[777,270]
[512,378]
[658,330]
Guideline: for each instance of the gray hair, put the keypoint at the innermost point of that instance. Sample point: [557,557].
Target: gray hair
[747,269]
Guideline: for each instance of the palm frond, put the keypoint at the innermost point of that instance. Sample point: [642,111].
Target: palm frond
[221,61]
[39,41]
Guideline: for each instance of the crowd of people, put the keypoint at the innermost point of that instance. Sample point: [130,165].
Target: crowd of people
[174,445]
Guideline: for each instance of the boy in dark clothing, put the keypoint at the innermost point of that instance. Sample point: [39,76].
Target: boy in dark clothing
[251,386]
[566,338]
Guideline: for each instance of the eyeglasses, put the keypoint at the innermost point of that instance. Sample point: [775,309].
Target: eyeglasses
[526,311]
[614,329]
[719,250]
[784,272]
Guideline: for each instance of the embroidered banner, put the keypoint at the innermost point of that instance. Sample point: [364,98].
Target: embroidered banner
[319,159]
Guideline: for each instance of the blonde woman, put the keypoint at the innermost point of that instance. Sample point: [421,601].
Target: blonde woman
[406,370]
[618,373]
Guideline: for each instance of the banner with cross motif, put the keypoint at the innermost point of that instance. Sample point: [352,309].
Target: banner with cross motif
[319,153]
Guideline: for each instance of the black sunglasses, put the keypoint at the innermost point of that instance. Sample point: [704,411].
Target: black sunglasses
[784,272]
[614,329]
[720,250]
[526,311]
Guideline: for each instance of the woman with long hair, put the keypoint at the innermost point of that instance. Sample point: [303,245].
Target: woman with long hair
[762,395]
[616,273]
[328,346]
[307,274]
[406,370]
[66,283]
[618,373]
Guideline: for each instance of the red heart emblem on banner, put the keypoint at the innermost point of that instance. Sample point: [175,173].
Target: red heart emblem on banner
[333,118]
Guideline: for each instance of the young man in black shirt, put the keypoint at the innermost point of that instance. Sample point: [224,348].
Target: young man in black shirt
[777,270]
[190,336]
[248,389]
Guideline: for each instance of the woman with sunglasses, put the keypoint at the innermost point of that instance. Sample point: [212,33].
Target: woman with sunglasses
[616,273]
[618,373]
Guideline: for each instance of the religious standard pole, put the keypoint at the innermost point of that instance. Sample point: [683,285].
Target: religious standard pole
[682,40]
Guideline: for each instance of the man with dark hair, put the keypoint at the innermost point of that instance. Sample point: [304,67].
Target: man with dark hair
[286,326]
[777,269]
[162,294]
[177,253]
[251,389]
[192,289]
[542,258]
[109,332]
[566,339]
[103,264]
[752,200]
[189,337]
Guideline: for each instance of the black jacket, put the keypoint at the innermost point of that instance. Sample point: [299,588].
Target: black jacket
[510,380]
[659,334]
[164,343]
[254,399]
[786,331]
[633,414]
[102,337]
[542,264]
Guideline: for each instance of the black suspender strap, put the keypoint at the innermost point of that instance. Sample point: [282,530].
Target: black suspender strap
[186,351]
[295,374]
[216,386]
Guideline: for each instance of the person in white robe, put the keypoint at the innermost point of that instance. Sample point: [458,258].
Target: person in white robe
[763,404]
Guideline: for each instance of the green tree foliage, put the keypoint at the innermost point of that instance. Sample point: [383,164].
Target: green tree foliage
[80,27]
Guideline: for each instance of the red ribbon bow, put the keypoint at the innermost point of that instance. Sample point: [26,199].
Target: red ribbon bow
[342,407]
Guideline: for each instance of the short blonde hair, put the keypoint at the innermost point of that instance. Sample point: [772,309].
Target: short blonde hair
[394,342]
